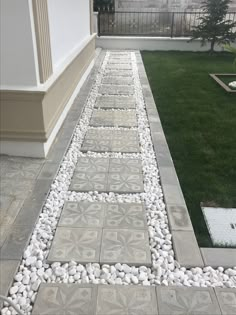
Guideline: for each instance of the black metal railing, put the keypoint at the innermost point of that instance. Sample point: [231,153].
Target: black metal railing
[164,24]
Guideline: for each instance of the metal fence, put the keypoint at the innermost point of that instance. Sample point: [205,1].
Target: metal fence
[164,24]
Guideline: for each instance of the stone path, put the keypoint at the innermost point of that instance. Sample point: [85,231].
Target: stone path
[132,300]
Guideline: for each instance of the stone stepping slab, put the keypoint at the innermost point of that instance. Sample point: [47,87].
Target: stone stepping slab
[116,72]
[105,175]
[116,89]
[101,232]
[120,300]
[115,101]
[118,60]
[111,118]
[103,215]
[118,80]
[83,245]
[119,66]
[98,140]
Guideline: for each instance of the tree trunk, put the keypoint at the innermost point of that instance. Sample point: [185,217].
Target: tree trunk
[212,46]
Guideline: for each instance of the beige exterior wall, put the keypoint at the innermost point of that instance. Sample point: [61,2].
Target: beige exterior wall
[36,113]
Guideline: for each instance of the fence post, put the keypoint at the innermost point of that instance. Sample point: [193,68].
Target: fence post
[172,24]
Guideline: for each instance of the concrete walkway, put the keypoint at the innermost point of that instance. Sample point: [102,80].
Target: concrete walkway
[95,232]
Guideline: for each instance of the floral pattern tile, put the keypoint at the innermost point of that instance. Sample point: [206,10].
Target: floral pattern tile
[133,166]
[82,214]
[71,299]
[89,182]
[125,183]
[119,66]
[125,246]
[182,301]
[117,80]
[123,300]
[91,165]
[116,72]
[114,101]
[125,216]
[77,244]
[116,89]
[101,118]
[227,300]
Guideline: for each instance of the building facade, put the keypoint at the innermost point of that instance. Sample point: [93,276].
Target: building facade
[47,50]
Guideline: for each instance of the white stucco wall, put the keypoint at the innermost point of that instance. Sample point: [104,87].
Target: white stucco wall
[69,22]
[17,51]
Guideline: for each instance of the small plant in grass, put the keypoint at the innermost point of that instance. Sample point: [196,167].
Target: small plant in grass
[213,26]
[232,49]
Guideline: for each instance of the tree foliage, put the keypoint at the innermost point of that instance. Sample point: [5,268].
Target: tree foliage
[213,26]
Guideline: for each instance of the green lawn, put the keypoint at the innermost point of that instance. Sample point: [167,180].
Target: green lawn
[199,121]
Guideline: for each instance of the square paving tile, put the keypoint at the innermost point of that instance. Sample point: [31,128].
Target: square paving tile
[116,72]
[125,141]
[71,299]
[125,216]
[113,118]
[77,244]
[82,214]
[20,168]
[89,182]
[122,300]
[125,182]
[117,175]
[116,89]
[125,246]
[182,301]
[118,80]
[227,300]
[92,165]
[115,101]
[119,66]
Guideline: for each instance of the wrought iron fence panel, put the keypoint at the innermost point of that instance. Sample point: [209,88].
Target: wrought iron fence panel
[163,24]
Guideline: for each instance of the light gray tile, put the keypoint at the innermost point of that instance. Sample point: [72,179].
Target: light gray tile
[182,301]
[98,134]
[121,300]
[115,101]
[173,194]
[18,187]
[119,66]
[64,298]
[168,176]
[92,165]
[25,169]
[89,182]
[125,134]
[125,183]
[29,213]
[116,89]
[77,244]
[125,146]
[8,269]
[227,300]
[215,257]
[96,145]
[82,214]
[133,166]
[113,118]
[48,171]
[125,216]
[7,216]
[5,202]
[125,246]
[186,249]
[116,72]
[117,80]
[179,218]
[16,241]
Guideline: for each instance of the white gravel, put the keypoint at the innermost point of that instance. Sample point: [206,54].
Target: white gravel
[165,270]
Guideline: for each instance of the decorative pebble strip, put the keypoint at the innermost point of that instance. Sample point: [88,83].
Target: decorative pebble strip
[165,270]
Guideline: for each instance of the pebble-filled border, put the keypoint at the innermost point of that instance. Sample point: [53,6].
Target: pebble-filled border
[165,270]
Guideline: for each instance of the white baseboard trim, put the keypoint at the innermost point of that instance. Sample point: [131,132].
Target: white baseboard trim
[40,149]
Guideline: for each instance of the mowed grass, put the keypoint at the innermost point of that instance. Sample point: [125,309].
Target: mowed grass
[199,121]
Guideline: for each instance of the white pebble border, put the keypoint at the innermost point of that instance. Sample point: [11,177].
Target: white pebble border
[165,270]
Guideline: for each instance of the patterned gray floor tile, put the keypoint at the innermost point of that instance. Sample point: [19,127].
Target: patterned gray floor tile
[71,299]
[114,101]
[77,244]
[125,146]
[125,246]
[18,187]
[7,271]
[24,169]
[113,60]
[119,66]
[116,89]
[125,183]
[227,300]
[117,80]
[133,166]
[96,145]
[116,72]
[182,301]
[100,134]
[89,182]
[125,134]
[125,216]
[113,118]
[82,214]
[123,300]
[92,165]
